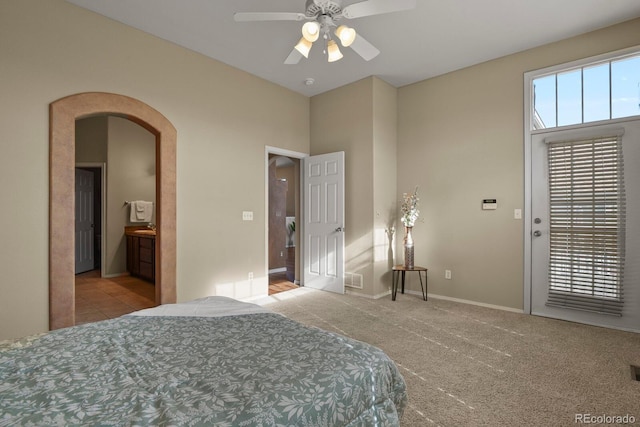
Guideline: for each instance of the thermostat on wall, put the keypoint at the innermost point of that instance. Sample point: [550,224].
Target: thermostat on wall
[489,204]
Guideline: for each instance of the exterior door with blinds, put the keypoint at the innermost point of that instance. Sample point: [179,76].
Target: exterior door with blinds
[585,241]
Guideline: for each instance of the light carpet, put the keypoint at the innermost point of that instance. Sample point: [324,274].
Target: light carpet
[473,366]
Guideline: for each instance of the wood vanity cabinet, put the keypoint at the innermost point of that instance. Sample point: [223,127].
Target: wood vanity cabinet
[141,256]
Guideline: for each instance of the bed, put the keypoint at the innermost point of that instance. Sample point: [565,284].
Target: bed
[212,361]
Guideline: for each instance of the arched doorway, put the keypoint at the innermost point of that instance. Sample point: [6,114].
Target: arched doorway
[62,116]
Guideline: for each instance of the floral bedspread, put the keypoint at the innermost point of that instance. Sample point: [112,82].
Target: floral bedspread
[249,370]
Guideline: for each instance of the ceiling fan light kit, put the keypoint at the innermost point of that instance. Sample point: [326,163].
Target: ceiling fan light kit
[304,47]
[311,31]
[333,52]
[346,35]
[322,17]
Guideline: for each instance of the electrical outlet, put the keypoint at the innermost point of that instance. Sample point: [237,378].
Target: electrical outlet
[250,276]
[447,274]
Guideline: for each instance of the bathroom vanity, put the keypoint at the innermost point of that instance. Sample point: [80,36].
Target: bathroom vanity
[141,248]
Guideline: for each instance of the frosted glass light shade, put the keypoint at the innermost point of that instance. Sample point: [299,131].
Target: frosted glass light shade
[304,46]
[311,31]
[333,52]
[346,35]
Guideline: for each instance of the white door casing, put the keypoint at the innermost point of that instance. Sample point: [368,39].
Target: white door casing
[323,213]
[539,228]
[84,220]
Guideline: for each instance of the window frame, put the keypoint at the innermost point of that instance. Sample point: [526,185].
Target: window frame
[530,76]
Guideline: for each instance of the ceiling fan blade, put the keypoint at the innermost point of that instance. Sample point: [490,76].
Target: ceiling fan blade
[294,57]
[363,48]
[376,7]
[268,16]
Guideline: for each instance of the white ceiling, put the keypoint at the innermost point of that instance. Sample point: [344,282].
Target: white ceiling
[437,37]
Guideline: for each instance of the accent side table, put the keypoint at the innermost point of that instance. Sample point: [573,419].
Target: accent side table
[399,270]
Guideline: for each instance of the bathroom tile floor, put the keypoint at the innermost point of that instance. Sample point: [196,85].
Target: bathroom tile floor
[278,283]
[100,298]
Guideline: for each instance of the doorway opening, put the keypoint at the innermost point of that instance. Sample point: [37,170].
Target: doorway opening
[106,285]
[283,219]
[63,114]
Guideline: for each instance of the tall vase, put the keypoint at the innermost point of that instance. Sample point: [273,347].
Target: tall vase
[408,247]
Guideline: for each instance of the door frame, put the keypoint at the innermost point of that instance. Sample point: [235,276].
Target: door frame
[103,207]
[528,133]
[268,150]
[63,114]
[528,190]
[528,178]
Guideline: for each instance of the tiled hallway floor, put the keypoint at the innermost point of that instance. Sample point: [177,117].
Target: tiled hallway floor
[278,283]
[101,298]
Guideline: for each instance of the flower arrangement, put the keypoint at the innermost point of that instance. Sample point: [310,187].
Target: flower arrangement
[409,208]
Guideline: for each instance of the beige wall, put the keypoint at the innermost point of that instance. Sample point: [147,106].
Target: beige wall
[360,119]
[342,120]
[224,118]
[385,145]
[131,175]
[460,139]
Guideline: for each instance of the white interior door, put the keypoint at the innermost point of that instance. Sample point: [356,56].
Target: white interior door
[323,183]
[84,221]
[541,229]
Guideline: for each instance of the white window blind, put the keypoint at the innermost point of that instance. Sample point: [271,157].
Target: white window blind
[587,224]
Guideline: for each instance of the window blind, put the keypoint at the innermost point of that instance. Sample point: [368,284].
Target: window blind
[587,224]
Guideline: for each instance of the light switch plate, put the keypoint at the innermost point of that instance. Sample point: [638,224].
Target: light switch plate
[247,216]
[517,214]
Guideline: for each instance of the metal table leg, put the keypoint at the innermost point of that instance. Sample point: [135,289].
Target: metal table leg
[394,284]
[424,288]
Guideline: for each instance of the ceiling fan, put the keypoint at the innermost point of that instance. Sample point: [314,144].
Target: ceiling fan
[323,18]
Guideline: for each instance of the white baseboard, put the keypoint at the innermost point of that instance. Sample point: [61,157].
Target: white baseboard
[359,294]
[348,291]
[465,301]
[382,295]
[434,296]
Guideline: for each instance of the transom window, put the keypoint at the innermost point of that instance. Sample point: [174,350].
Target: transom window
[594,92]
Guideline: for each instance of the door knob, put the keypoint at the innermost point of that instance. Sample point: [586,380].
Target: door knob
[537,233]
[339,230]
